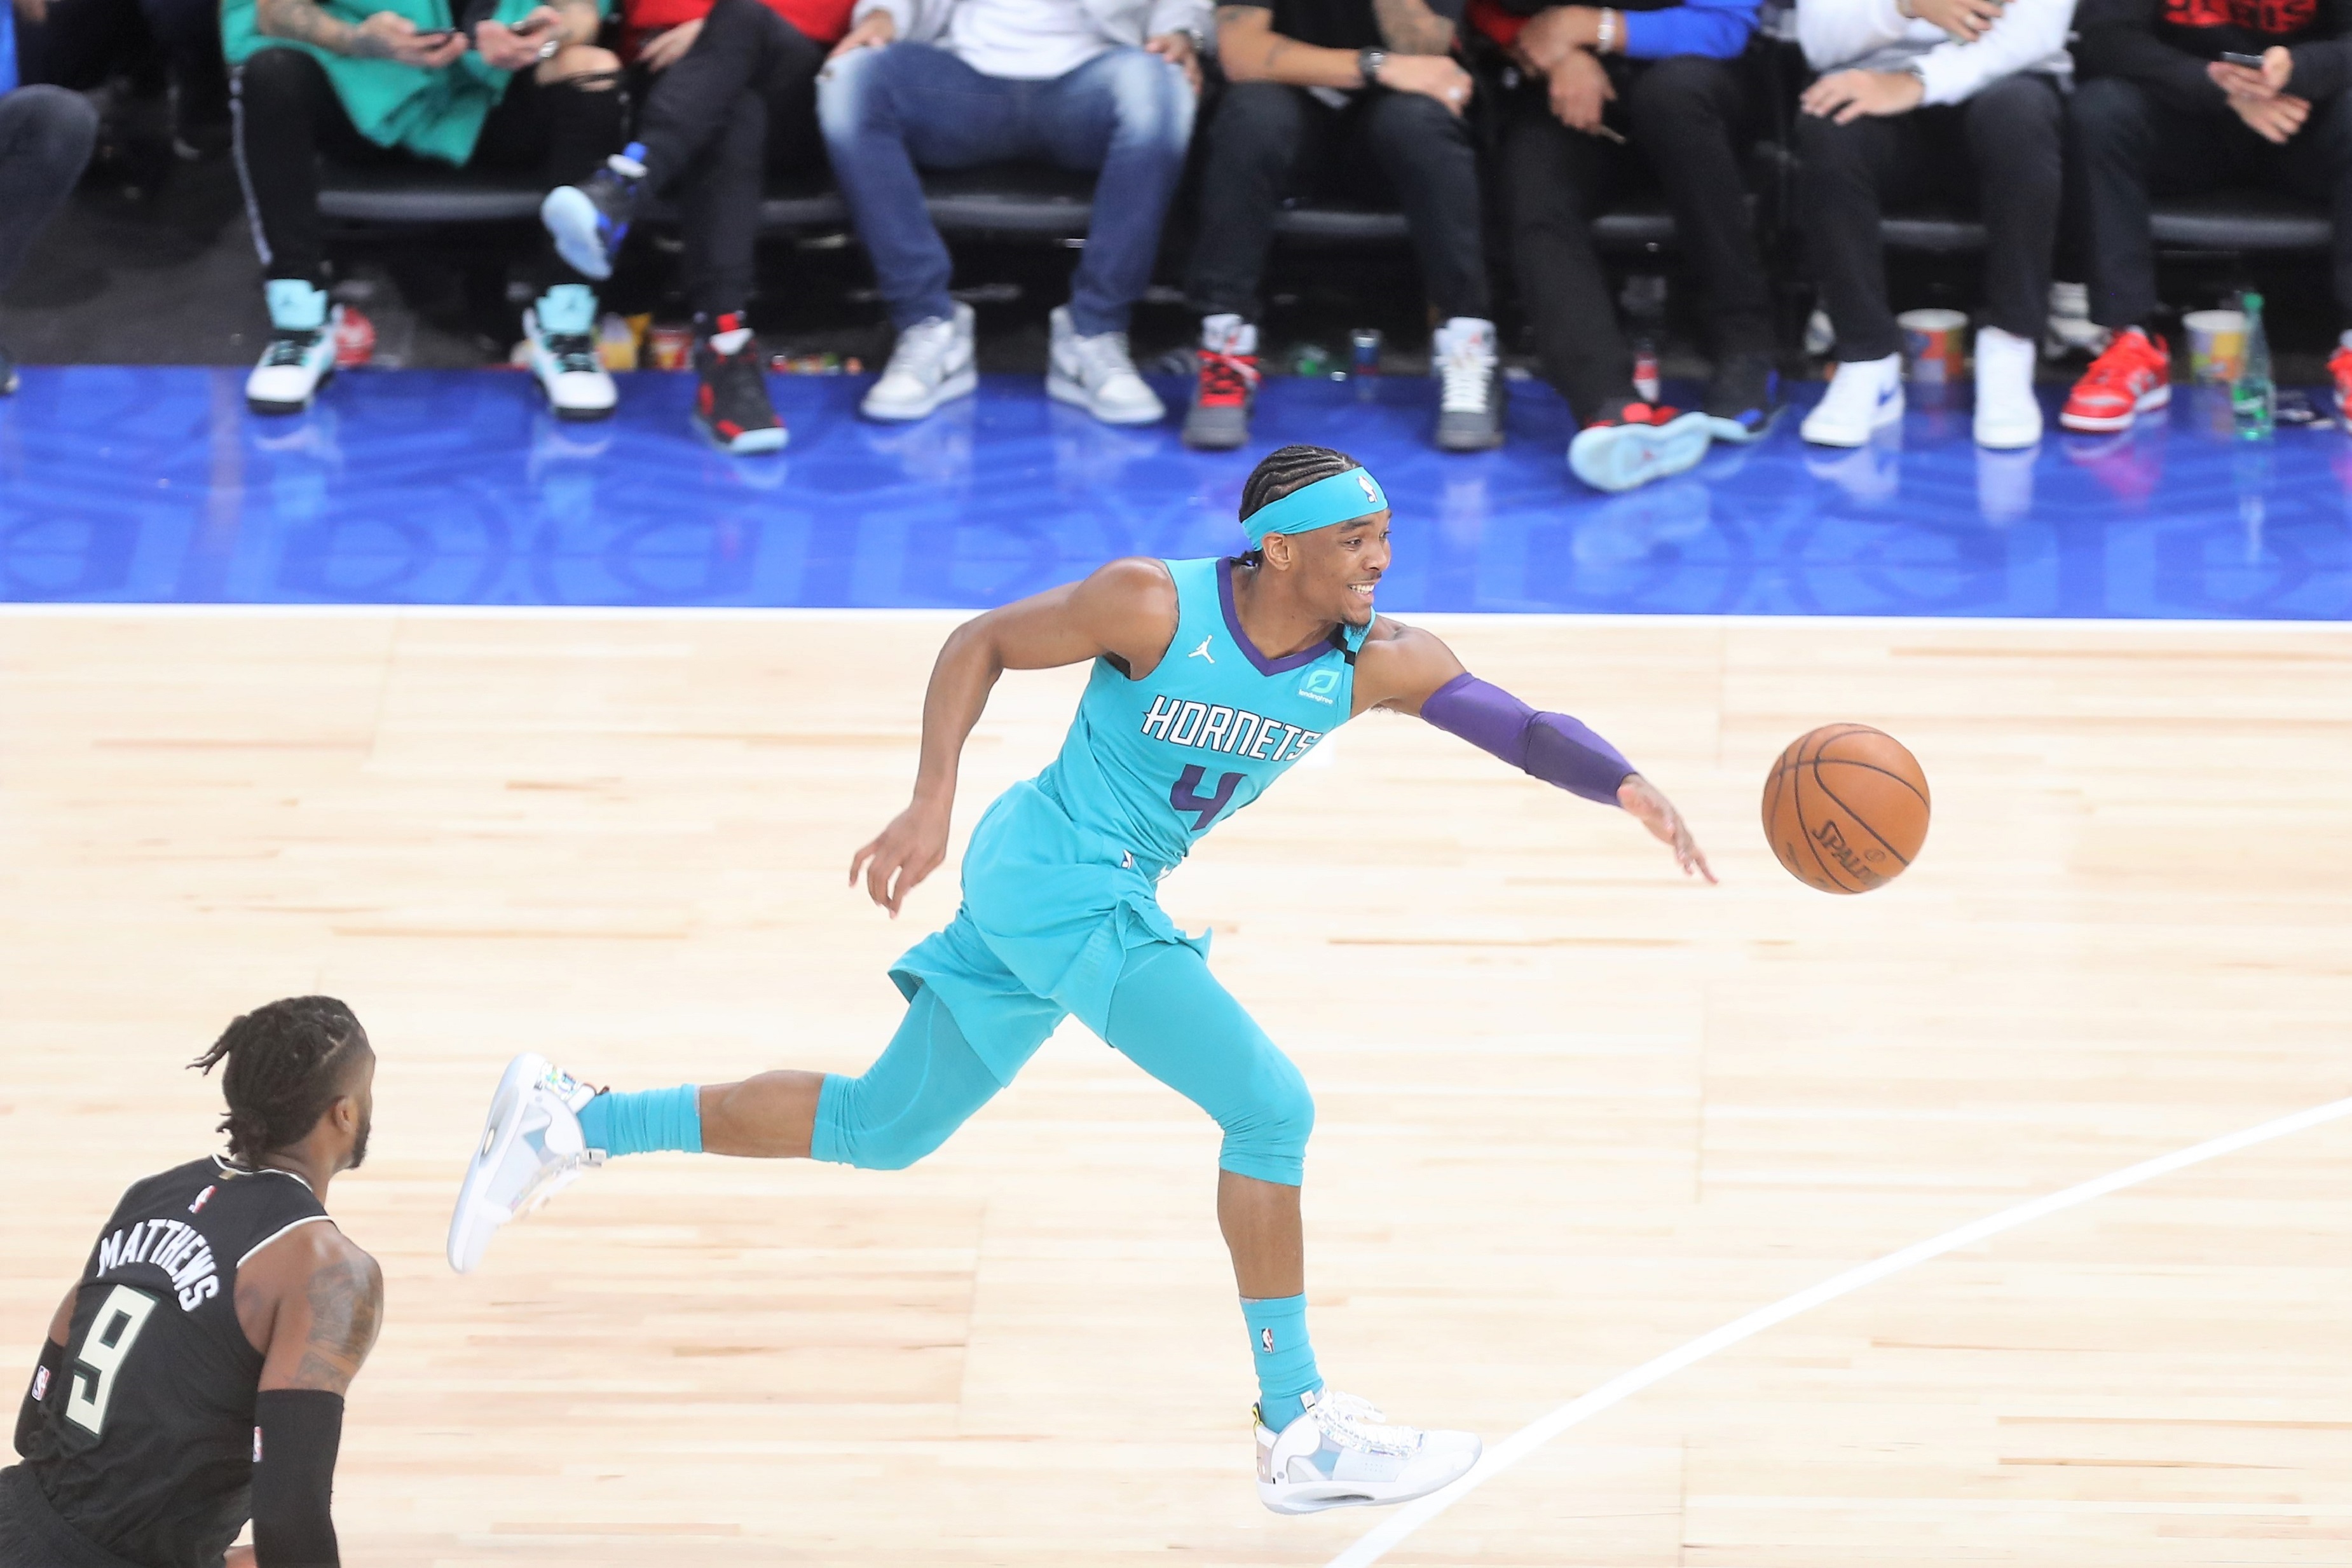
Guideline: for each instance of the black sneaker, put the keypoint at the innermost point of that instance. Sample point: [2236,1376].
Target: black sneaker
[1744,398]
[730,401]
[589,221]
[1226,387]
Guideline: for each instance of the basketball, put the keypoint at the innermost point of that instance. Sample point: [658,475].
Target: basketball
[1845,808]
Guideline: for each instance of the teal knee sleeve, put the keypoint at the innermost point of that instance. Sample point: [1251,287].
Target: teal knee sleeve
[926,1083]
[1170,1017]
[1267,1127]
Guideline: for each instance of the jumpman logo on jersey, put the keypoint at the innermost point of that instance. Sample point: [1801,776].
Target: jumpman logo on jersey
[1202,650]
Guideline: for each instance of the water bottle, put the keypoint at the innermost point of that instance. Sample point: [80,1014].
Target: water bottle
[2253,396]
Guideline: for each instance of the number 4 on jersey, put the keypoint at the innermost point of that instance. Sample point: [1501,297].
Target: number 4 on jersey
[1186,796]
[100,1360]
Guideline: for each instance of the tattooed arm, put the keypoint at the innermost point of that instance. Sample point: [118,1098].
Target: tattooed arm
[316,1302]
[1251,51]
[1411,27]
[385,35]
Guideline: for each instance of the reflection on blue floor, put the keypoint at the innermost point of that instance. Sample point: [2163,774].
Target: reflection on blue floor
[416,488]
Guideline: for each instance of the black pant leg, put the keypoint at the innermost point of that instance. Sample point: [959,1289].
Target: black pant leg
[719,203]
[2015,131]
[2316,164]
[2128,146]
[1689,116]
[287,114]
[1431,159]
[1259,140]
[743,47]
[80,43]
[1554,182]
[1840,174]
[562,132]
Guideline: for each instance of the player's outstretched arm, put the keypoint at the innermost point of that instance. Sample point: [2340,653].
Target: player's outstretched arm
[1411,671]
[1125,610]
[318,1300]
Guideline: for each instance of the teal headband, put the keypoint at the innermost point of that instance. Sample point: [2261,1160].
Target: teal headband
[1340,498]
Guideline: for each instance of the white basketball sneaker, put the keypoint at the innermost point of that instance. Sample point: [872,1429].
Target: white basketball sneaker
[532,1149]
[1343,1454]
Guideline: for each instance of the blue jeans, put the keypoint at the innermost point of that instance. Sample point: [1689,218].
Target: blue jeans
[1125,113]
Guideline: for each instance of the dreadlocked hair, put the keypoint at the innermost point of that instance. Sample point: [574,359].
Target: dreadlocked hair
[285,1062]
[1283,470]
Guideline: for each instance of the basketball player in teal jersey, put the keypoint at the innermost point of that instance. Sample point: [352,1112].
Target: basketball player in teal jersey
[1211,678]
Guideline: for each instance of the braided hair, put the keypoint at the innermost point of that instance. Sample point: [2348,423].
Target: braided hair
[286,1062]
[1283,470]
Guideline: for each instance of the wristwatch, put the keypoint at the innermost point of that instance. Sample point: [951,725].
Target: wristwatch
[1370,62]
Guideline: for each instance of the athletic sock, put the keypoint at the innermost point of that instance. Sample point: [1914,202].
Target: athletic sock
[643,1122]
[1286,1361]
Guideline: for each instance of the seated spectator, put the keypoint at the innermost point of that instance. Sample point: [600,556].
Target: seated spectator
[526,90]
[1605,99]
[45,135]
[732,92]
[83,44]
[1954,97]
[1106,85]
[2159,112]
[1319,87]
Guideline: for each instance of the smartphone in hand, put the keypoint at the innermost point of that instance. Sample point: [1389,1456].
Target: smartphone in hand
[2252,62]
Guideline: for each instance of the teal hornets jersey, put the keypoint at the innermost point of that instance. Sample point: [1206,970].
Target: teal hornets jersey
[1153,764]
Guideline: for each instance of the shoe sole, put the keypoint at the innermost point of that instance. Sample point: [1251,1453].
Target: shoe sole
[1062,389]
[750,443]
[1641,453]
[1217,440]
[1302,1497]
[1487,443]
[572,415]
[499,1130]
[1731,433]
[259,406]
[2098,425]
[963,384]
[1876,425]
[571,220]
[2016,442]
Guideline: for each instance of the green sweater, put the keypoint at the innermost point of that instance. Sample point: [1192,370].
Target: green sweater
[434,114]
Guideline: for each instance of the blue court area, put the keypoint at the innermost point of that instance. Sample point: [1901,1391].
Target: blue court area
[149,485]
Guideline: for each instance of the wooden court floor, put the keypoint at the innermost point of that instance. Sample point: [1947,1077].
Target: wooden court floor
[1574,1112]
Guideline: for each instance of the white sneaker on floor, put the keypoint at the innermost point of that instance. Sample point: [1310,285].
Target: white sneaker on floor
[1342,1453]
[1469,371]
[300,355]
[1098,374]
[2008,414]
[532,1149]
[931,364]
[1865,395]
[560,337]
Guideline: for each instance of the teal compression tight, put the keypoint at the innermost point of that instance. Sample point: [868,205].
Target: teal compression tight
[1168,1015]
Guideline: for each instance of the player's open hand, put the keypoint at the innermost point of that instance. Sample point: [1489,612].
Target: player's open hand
[903,853]
[1657,813]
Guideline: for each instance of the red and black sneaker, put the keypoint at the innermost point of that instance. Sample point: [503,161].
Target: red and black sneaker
[730,398]
[2132,377]
[1219,419]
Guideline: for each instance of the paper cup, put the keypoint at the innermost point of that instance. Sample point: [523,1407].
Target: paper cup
[1935,344]
[2217,345]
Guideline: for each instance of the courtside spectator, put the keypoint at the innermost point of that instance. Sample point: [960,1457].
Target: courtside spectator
[45,135]
[526,90]
[1960,97]
[730,90]
[83,44]
[2159,112]
[1106,85]
[1322,89]
[1606,99]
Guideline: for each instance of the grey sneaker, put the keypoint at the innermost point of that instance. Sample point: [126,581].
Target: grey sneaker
[931,364]
[1219,419]
[1098,374]
[1470,385]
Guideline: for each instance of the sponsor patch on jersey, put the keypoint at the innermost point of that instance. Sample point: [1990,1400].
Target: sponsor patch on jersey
[1321,686]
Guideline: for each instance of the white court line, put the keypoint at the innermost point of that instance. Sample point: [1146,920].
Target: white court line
[1385,1537]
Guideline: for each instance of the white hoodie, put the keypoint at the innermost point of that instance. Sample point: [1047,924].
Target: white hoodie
[1873,35]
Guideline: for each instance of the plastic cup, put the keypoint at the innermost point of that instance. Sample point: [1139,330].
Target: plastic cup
[1935,344]
[2217,345]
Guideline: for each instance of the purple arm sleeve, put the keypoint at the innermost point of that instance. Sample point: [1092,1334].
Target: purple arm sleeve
[1552,747]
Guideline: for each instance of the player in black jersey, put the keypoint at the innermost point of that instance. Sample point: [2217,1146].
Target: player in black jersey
[194,1376]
